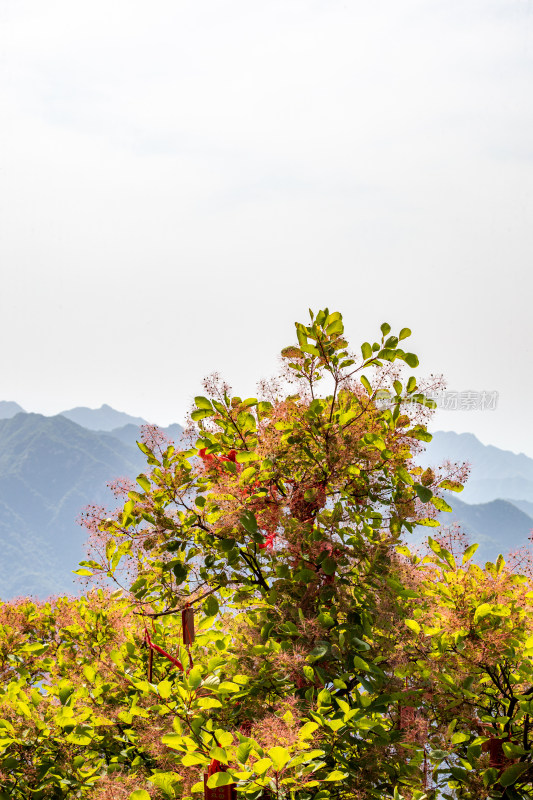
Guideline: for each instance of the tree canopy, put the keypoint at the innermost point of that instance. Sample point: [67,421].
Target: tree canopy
[262,623]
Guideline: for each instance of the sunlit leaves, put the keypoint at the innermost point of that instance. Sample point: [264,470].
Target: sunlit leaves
[284,527]
[482,611]
[469,552]
[413,625]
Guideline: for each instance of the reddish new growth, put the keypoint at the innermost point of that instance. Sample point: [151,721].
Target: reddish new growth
[212,459]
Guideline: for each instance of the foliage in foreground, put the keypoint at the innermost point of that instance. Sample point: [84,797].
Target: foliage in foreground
[329,661]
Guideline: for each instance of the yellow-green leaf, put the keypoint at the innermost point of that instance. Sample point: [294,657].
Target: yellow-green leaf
[482,611]
[279,756]
[219,779]
[413,625]
[469,552]
[262,765]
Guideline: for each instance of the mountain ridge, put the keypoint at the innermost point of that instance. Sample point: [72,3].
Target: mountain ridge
[104,418]
[51,467]
[495,473]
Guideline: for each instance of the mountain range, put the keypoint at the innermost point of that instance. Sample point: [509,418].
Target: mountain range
[104,418]
[494,472]
[51,468]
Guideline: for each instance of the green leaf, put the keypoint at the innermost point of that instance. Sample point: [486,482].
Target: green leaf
[247,474]
[336,327]
[440,504]
[427,522]
[411,360]
[329,565]
[460,737]
[191,760]
[280,756]
[243,752]
[262,765]
[336,775]
[424,493]
[164,689]
[248,522]
[229,686]
[310,349]
[180,571]
[366,384]
[469,552]
[143,482]
[174,740]
[194,678]
[211,606]
[139,794]
[65,693]
[366,350]
[166,782]
[202,402]
[385,329]
[201,413]
[512,773]
[404,475]
[360,664]
[317,653]
[209,702]
[452,486]
[404,333]
[301,333]
[413,625]
[219,779]
[482,611]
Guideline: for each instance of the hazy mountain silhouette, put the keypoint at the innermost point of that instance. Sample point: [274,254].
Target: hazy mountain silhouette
[50,469]
[495,473]
[104,418]
[9,409]
[498,526]
[524,505]
[129,434]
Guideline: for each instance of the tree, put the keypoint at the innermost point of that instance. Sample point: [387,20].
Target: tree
[468,663]
[315,671]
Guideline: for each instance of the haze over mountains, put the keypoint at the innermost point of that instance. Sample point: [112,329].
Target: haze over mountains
[51,468]
[104,418]
[495,473]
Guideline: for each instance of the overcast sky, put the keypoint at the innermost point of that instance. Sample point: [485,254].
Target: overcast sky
[180,181]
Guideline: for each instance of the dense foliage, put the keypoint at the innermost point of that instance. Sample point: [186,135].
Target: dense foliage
[329,661]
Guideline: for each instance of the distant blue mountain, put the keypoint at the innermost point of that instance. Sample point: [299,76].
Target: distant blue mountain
[495,473]
[130,434]
[50,469]
[498,526]
[9,409]
[104,418]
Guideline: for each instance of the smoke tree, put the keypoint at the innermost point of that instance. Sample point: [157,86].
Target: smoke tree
[328,661]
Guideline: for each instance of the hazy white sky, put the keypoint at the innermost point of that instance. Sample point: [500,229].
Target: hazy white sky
[181,180]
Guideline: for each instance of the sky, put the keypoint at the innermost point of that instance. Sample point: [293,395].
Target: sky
[181,180]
